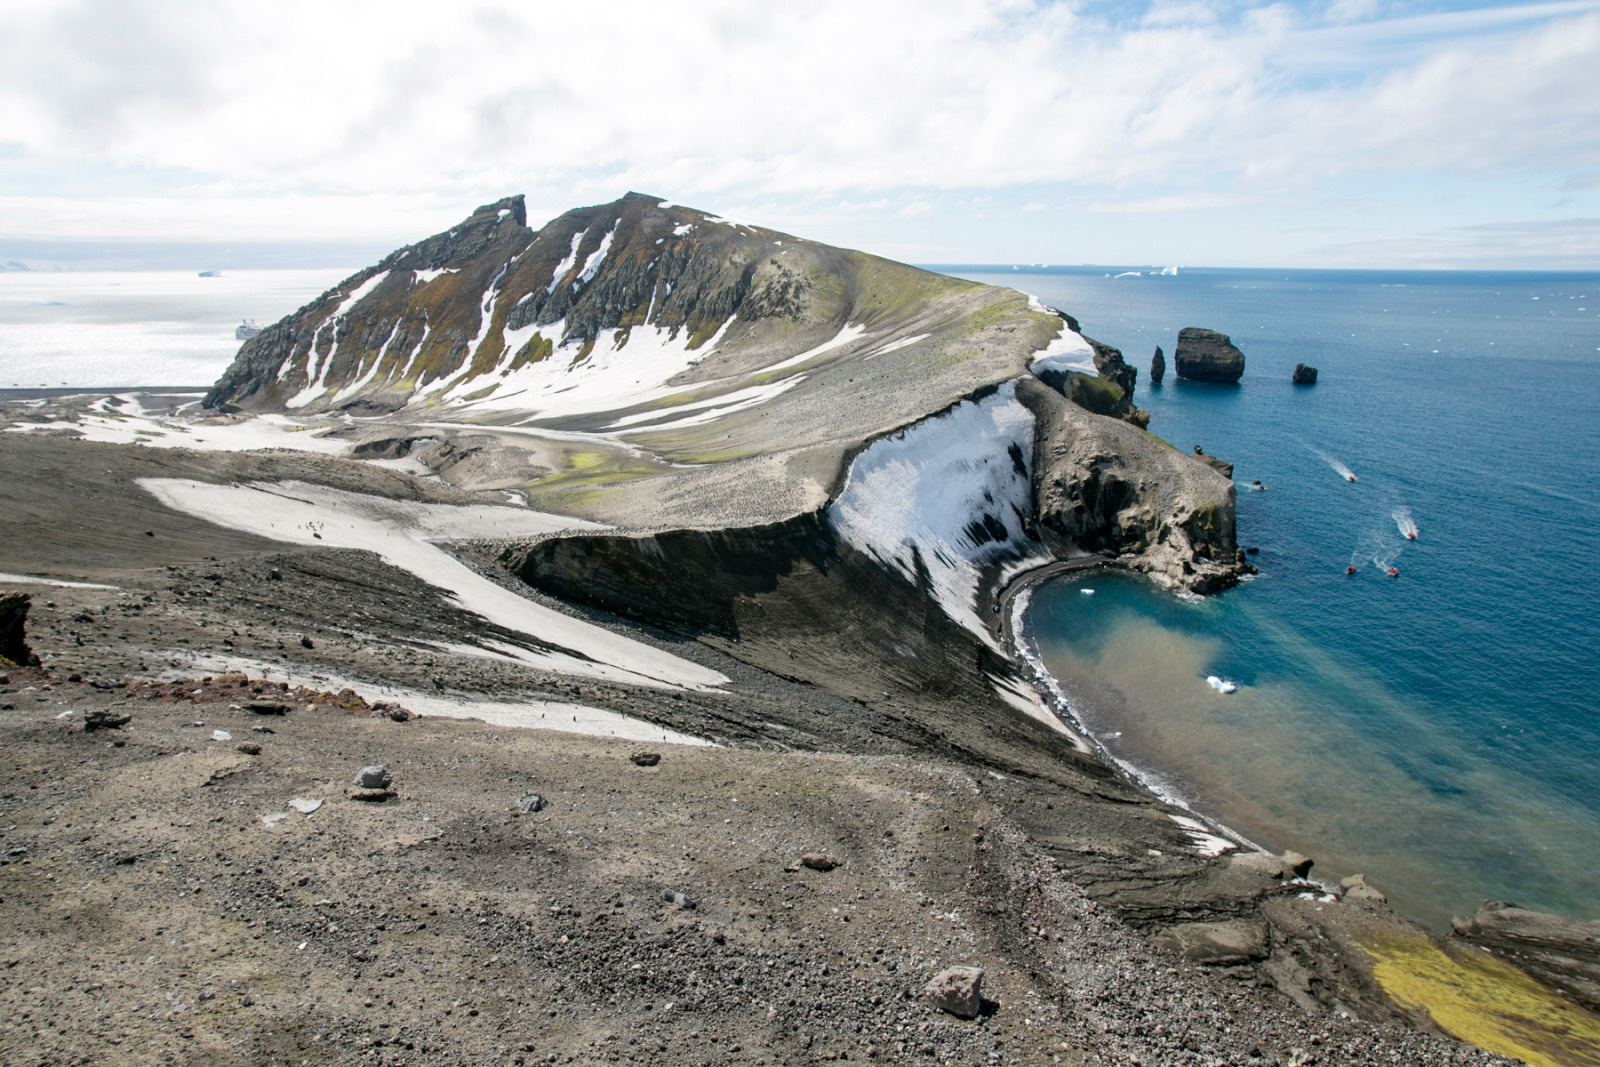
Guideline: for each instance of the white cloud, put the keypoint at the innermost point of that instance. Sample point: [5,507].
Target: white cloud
[414,107]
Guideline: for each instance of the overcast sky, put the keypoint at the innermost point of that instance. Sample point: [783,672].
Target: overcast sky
[1425,133]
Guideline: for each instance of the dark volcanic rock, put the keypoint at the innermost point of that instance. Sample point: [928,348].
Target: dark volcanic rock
[1304,375]
[1207,356]
[1108,392]
[1158,366]
[445,306]
[1102,486]
[1563,953]
[13,618]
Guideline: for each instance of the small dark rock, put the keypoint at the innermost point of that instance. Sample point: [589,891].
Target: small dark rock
[261,708]
[306,642]
[13,621]
[678,900]
[1304,375]
[74,677]
[104,720]
[274,575]
[529,803]
[249,748]
[646,759]
[262,730]
[818,861]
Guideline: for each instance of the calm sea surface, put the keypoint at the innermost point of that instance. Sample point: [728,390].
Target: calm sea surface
[1439,731]
[96,328]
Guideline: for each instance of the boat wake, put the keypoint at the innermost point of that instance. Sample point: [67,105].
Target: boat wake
[1379,550]
[1344,472]
[1406,524]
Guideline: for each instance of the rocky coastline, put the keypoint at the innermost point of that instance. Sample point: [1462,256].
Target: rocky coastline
[819,519]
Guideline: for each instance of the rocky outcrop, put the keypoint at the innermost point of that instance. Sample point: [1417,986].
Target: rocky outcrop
[14,648]
[1207,356]
[1562,953]
[1304,375]
[1109,391]
[1102,485]
[1158,366]
[1221,466]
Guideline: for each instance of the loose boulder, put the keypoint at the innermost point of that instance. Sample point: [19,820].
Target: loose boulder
[1304,375]
[957,990]
[376,776]
[104,720]
[1207,356]
[1356,888]
[1298,863]
[14,648]
[1158,366]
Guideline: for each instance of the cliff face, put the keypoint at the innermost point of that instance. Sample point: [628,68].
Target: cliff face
[1106,486]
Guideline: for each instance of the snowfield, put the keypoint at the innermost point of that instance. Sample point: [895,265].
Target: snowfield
[401,532]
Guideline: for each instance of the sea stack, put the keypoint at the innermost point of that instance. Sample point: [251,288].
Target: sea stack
[1207,356]
[1304,375]
[1158,367]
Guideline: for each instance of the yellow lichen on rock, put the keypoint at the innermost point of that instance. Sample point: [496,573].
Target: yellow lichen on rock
[1486,1002]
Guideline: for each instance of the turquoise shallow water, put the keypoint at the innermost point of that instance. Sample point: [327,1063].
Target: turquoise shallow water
[1439,731]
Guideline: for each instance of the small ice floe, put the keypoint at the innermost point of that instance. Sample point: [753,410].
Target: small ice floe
[1087,592]
[1222,685]
[221,735]
[304,806]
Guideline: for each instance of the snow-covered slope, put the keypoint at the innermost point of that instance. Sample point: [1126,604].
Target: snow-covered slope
[946,497]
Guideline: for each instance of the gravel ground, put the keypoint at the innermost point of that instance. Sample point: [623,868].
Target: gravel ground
[154,911]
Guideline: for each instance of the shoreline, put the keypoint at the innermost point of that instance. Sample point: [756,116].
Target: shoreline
[1096,832]
[1014,600]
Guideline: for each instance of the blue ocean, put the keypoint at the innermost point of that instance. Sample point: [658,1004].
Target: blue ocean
[1438,730]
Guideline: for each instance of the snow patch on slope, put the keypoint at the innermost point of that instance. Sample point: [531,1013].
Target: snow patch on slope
[1069,351]
[528,714]
[624,368]
[315,386]
[946,496]
[401,532]
[846,335]
[592,264]
[566,264]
